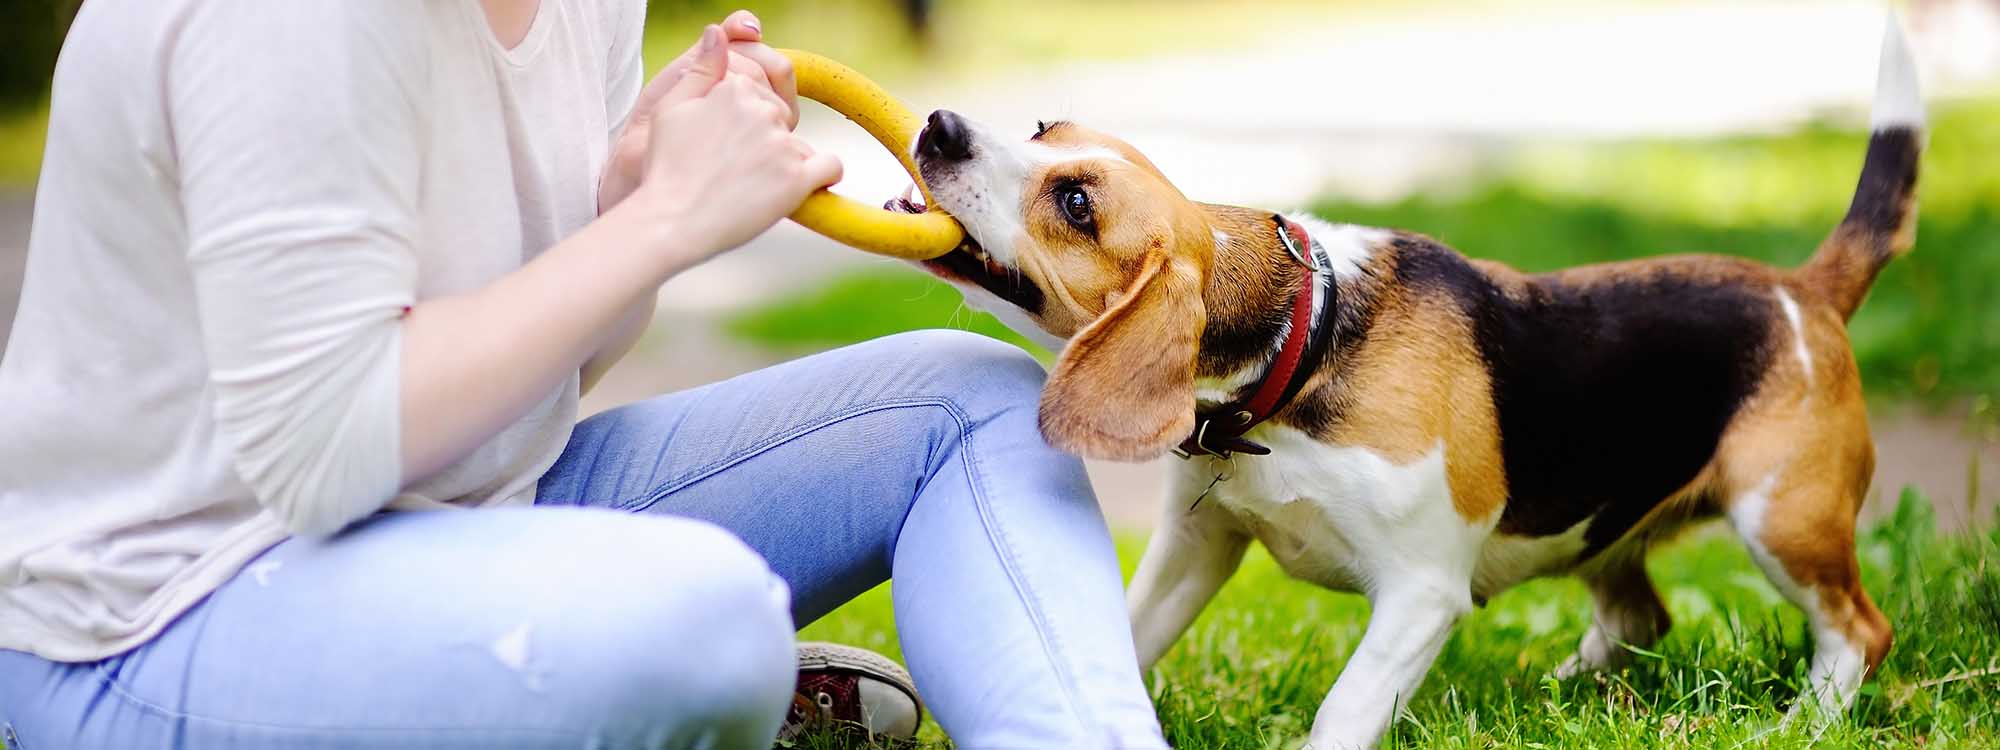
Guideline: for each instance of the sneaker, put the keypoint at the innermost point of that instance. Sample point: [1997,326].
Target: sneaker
[843,688]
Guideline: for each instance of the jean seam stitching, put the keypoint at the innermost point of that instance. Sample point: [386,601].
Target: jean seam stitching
[996,535]
[124,694]
[714,467]
[1003,549]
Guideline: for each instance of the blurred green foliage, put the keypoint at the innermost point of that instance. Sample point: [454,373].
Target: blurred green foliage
[969,38]
[31,31]
[22,137]
[862,306]
[1931,327]
[965,39]
[867,34]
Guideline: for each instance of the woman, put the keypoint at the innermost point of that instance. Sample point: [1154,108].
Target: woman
[299,267]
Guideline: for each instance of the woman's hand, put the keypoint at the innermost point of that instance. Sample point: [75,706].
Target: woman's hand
[711,162]
[722,164]
[748,57]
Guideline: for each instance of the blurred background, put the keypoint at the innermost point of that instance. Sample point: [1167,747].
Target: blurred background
[1541,133]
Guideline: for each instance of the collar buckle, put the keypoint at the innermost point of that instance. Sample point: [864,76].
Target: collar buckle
[1286,373]
[1224,444]
[1304,255]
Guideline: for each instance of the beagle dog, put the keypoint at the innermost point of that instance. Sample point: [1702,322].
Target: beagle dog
[1392,418]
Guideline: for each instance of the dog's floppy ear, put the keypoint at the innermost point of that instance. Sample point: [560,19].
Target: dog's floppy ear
[1124,387]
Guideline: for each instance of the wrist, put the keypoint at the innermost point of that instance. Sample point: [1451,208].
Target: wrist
[660,226]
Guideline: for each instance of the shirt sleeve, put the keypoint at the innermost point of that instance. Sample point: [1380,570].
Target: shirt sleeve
[296,132]
[626,73]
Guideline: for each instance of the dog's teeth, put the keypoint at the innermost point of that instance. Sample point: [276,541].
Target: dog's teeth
[907,202]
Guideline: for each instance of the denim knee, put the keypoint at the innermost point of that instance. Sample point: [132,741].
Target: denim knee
[976,370]
[698,633]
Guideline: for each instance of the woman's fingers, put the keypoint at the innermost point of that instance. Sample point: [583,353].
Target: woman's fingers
[743,26]
[816,169]
[778,72]
[759,98]
[746,67]
[743,32]
[708,64]
[820,170]
[662,82]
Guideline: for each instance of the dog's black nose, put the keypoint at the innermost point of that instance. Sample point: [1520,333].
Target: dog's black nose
[947,137]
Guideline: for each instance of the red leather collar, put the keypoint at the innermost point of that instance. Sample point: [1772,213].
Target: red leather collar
[1218,431]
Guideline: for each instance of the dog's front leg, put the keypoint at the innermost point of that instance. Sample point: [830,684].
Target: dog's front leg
[1191,554]
[1408,626]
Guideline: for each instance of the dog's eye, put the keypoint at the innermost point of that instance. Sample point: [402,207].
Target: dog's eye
[1076,207]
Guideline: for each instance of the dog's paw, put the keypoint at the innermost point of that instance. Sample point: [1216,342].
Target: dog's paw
[1575,666]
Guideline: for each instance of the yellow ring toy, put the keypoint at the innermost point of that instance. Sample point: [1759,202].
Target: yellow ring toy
[851,222]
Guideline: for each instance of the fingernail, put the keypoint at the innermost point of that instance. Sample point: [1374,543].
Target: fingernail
[711,35]
[750,20]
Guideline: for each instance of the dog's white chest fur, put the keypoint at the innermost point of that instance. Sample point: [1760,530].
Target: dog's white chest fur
[1344,517]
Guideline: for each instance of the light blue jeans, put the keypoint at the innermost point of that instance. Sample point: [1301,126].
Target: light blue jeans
[650,616]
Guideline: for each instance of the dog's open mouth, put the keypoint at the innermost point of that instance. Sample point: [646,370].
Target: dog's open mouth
[971,263]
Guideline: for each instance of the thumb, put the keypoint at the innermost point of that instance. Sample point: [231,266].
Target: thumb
[656,89]
[707,64]
[821,170]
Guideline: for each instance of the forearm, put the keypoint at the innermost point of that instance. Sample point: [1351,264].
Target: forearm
[623,337]
[475,362]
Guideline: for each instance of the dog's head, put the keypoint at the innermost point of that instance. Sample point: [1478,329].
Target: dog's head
[1084,235]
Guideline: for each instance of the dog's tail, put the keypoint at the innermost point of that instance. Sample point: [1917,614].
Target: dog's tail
[1881,223]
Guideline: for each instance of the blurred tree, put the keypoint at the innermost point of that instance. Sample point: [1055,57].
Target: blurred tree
[917,13]
[31,31]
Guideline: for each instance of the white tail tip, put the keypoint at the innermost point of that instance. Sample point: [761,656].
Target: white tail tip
[1898,102]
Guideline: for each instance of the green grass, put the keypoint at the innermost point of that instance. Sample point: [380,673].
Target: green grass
[1253,669]
[1931,327]
[862,306]
[22,136]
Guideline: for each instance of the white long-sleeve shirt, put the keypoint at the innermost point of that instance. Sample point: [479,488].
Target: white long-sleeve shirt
[239,200]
